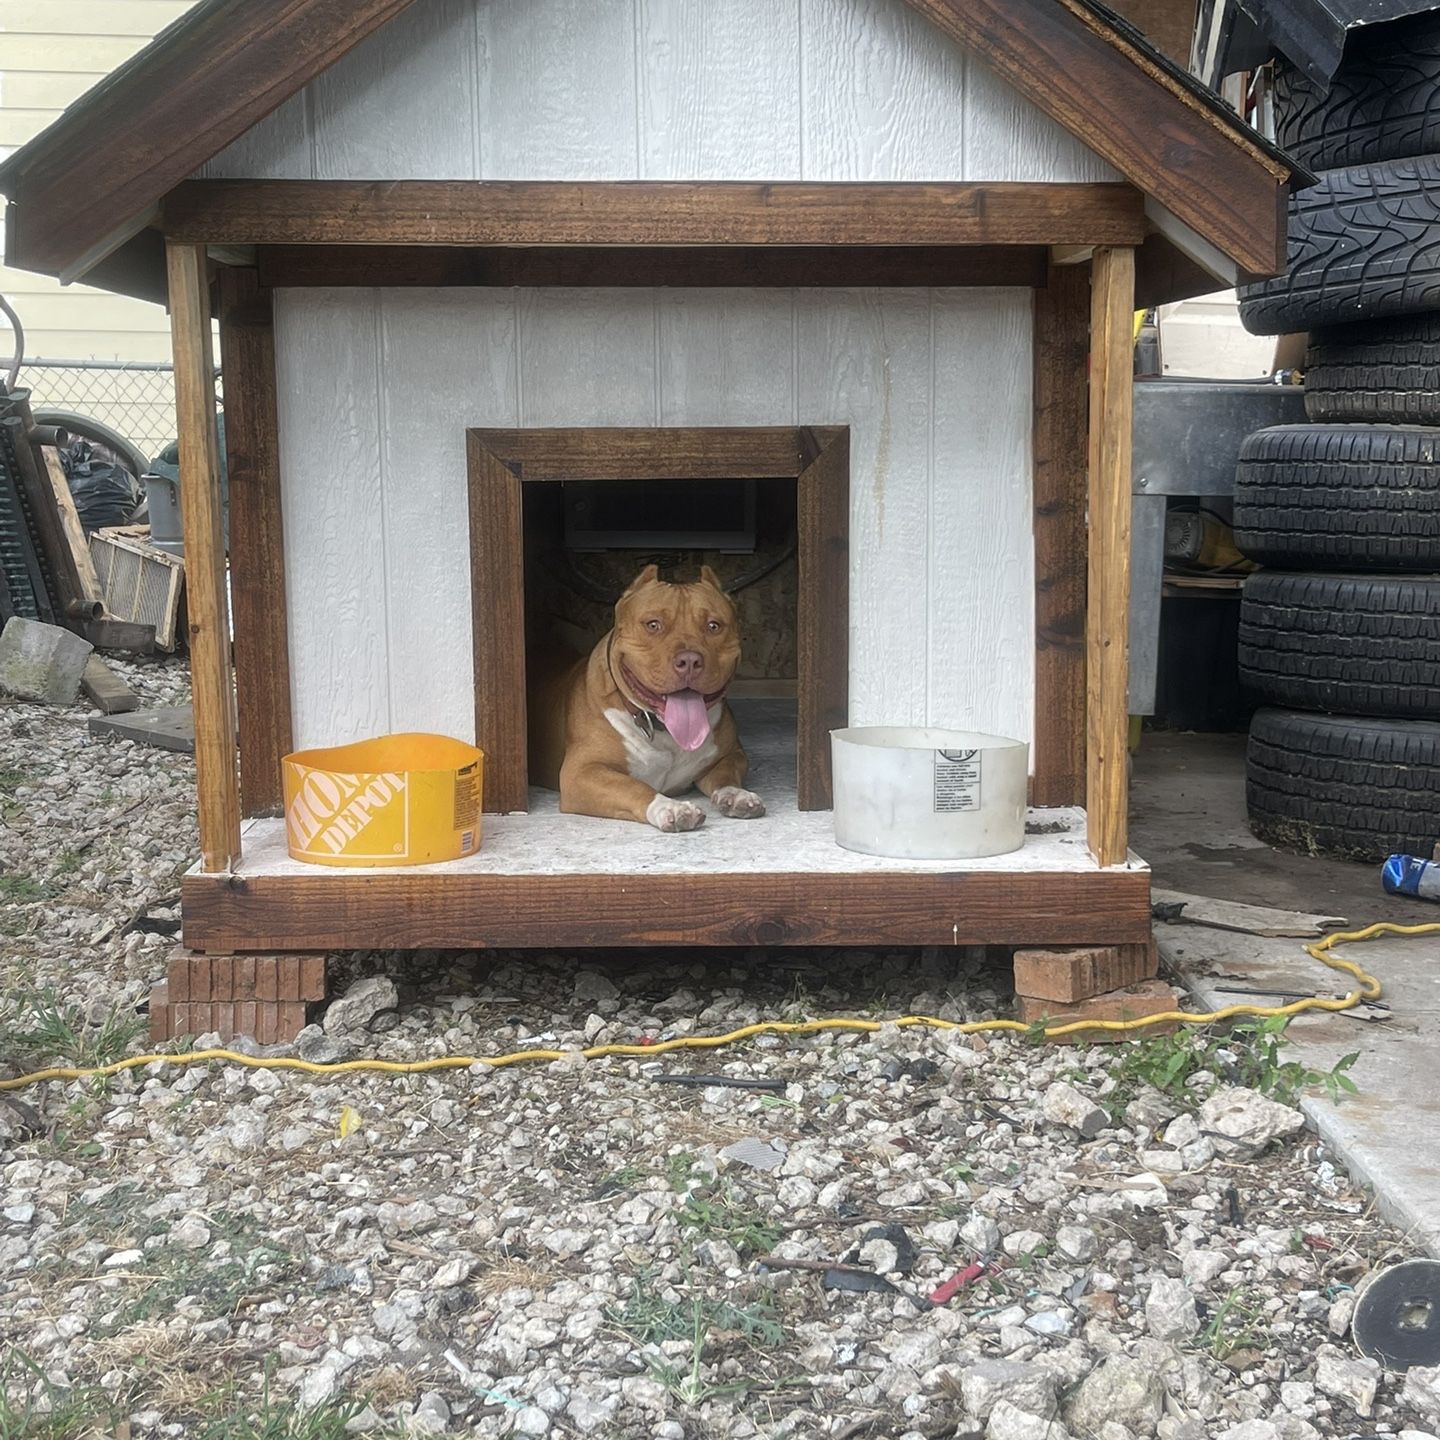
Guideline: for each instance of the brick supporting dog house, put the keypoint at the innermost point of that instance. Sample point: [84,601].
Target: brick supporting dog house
[895,248]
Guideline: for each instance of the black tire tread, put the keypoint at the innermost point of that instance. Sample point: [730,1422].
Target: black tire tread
[1364,244]
[1343,644]
[1335,785]
[1381,372]
[1382,104]
[1336,497]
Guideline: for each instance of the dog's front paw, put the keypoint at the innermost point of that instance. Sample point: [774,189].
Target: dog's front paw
[671,815]
[738,804]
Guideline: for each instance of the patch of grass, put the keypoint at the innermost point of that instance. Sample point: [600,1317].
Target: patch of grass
[11,780]
[253,1266]
[275,1419]
[37,1026]
[1235,1324]
[24,890]
[724,1216]
[648,1318]
[1248,1054]
[32,1408]
[618,1182]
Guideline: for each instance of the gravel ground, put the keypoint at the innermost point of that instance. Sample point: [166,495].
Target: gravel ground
[583,1249]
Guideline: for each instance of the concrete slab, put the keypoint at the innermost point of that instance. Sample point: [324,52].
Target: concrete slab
[1188,821]
[167,727]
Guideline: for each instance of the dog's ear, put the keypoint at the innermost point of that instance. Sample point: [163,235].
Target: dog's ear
[649,573]
[711,578]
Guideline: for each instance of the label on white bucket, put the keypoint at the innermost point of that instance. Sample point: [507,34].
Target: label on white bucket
[957,780]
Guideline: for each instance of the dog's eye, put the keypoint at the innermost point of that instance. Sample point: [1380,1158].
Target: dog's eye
[714,626]
[653,626]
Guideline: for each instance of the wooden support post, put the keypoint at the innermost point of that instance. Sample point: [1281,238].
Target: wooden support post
[1112,319]
[257,542]
[1061,346]
[212,690]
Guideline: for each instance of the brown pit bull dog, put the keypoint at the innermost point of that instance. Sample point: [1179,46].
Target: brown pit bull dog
[644,718]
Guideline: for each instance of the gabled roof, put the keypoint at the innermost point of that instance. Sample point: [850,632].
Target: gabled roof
[94,179]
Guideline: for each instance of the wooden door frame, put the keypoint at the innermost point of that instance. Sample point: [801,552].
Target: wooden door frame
[500,462]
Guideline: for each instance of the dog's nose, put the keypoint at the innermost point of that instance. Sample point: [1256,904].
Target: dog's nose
[688,664]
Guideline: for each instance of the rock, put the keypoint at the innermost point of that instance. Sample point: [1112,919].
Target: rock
[590,1415]
[591,986]
[1049,1322]
[1416,1435]
[1342,1312]
[318,1386]
[1348,1378]
[981,1234]
[1119,1389]
[1422,1389]
[192,1233]
[918,1351]
[1009,1422]
[431,1415]
[364,1422]
[452,1273]
[1200,1267]
[1024,1385]
[1242,1123]
[1063,1104]
[1170,1312]
[532,1420]
[1251,1430]
[41,662]
[1022,1242]
[1075,1242]
[565,1243]
[1181,1131]
[315,1046]
[350,1014]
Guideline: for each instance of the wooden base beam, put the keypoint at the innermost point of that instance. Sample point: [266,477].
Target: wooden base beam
[458,910]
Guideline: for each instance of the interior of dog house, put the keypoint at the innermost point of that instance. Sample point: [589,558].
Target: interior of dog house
[525,306]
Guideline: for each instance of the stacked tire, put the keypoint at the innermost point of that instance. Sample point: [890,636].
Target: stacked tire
[1340,632]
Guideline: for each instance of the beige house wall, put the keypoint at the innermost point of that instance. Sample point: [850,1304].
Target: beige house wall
[51,52]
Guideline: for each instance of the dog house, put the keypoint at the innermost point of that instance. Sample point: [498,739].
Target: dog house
[880,256]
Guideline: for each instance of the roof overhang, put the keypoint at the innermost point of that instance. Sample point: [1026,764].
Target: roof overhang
[87,195]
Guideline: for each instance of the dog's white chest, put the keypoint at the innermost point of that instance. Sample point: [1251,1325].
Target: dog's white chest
[658,760]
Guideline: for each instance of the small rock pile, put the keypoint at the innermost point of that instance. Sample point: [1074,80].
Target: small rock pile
[904,1233]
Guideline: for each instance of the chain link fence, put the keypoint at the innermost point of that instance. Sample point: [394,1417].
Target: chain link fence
[134,397]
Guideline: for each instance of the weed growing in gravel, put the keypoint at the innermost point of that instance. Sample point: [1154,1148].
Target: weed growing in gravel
[282,1420]
[679,1167]
[1247,1055]
[724,1216]
[23,890]
[36,1026]
[1234,1325]
[32,1408]
[649,1318]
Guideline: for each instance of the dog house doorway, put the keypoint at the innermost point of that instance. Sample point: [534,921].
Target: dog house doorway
[815,459]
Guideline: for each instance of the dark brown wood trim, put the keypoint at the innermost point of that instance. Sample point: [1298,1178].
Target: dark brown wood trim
[162,115]
[666,213]
[500,461]
[691,265]
[497,605]
[257,540]
[449,910]
[822,492]
[1061,408]
[1099,86]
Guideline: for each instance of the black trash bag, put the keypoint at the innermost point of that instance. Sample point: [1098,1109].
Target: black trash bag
[104,491]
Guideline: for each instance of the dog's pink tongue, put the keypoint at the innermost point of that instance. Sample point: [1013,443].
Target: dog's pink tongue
[686,719]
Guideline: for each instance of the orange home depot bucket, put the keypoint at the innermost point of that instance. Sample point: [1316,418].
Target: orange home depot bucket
[398,800]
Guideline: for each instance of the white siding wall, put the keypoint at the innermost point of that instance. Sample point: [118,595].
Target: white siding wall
[377,388]
[659,90]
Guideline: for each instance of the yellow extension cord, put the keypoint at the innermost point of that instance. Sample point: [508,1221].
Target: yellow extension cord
[1369,989]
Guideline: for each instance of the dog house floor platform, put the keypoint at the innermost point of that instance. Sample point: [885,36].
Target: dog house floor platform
[547,879]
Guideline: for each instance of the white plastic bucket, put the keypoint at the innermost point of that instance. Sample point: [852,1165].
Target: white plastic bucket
[917,793]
